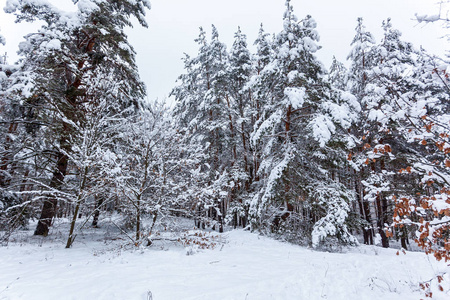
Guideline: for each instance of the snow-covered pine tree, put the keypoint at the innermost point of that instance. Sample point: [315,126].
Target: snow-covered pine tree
[385,150]
[303,141]
[260,91]
[337,75]
[61,63]
[423,109]
[205,107]
[239,71]
[361,61]
[406,104]
[264,50]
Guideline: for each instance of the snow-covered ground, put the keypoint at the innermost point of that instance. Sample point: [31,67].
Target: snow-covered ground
[242,266]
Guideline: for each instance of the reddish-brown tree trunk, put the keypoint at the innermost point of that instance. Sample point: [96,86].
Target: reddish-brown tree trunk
[288,122]
[49,209]
[98,204]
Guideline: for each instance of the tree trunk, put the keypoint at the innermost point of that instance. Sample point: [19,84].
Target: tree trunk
[244,145]
[149,240]
[138,220]
[71,237]
[404,237]
[370,230]
[98,204]
[380,223]
[382,211]
[362,210]
[288,123]
[222,215]
[49,209]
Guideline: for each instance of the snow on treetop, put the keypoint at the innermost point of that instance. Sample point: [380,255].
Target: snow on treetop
[87,6]
[310,45]
[322,128]
[54,44]
[295,96]
[12,5]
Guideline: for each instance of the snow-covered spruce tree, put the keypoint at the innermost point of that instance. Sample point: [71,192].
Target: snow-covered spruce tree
[385,151]
[406,101]
[264,50]
[204,107]
[304,141]
[424,110]
[337,75]
[428,114]
[361,62]
[241,112]
[60,66]
[260,91]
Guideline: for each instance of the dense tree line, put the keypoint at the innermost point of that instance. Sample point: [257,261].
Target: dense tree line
[314,156]
[270,141]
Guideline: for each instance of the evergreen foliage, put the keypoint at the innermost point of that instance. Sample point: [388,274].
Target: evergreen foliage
[269,141]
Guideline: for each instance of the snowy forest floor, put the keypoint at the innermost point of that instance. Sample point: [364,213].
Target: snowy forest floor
[242,265]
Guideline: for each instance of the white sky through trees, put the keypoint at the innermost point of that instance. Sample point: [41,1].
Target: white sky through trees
[173,26]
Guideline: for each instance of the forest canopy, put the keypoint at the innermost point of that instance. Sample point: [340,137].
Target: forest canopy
[270,140]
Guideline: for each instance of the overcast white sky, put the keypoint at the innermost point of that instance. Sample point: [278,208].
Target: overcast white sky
[173,26]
